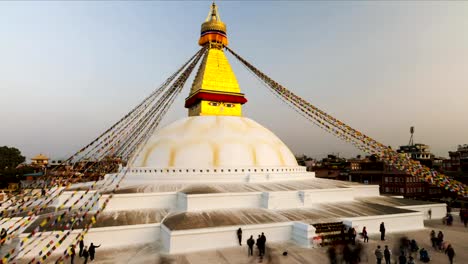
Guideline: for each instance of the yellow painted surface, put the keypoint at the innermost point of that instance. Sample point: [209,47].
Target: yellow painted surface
[215,108]
[215,74]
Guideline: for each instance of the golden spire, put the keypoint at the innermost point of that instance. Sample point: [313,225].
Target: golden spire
[215,90]
[213,29]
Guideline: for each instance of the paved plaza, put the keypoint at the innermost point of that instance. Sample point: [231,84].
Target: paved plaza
[457,235]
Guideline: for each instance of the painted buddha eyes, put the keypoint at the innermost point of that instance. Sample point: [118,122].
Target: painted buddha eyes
[229,105]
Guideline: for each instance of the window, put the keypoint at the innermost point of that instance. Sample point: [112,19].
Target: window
[229,105]
[213,103]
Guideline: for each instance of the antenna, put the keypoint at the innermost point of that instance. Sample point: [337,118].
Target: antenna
[411,143]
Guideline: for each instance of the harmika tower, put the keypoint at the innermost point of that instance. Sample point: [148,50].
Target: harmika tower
[215,90]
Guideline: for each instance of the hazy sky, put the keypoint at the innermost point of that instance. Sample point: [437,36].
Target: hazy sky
[69,70]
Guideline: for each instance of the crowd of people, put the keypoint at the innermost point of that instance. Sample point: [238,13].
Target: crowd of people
[251,242]
[408,251]
[85,252]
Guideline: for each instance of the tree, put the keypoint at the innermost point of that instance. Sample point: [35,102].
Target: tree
[10,158]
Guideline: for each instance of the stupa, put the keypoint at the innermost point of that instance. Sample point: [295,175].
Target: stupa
[199,179]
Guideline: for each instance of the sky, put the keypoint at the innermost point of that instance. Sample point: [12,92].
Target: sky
[69,70]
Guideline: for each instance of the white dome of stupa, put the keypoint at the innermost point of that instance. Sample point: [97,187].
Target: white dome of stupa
[214,141]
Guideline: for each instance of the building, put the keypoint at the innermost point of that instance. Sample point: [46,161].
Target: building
[391,181]
[419,152]
[458,159]
[40,160]
[196,181]
[330,167]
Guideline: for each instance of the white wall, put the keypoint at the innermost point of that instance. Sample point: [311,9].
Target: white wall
[393,223]
[14,223]
[69,199]
[210,201]
[366,190]
[131,201]
[302,234]
[143,175]
[107,237]
[196,202]
[327,196]
[438,210]
[305,198]
[220,237]
[281,200]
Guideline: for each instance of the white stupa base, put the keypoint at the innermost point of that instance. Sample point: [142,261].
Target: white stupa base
[146,175]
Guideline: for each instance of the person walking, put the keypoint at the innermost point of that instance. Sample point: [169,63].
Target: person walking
[80,253]
[263,238]
[429,213]
[450,253]
[353,234]
[378,255]
[85,255]
[92,251]
[402,258]
[382,231]
[72,254]
[424,255]
[239,236]
[364,235]
[259,246]
[350,234]
[433,239]
[331,252]
[465,217]
[250,244]
[440,240]
[387,255]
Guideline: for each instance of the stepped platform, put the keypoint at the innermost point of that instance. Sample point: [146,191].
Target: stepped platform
[285,211]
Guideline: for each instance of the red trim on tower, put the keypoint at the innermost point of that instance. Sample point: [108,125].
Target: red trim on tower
[228,98]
